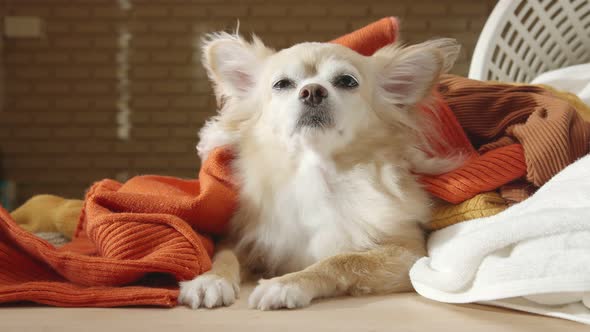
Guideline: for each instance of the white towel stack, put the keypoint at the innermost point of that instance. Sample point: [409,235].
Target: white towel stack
[534,256]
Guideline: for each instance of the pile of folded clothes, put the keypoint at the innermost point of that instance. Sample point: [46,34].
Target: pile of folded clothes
[518,137]
[532,256]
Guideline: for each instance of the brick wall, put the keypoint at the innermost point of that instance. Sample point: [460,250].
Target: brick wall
[3,7]
[2,97]
[58,129]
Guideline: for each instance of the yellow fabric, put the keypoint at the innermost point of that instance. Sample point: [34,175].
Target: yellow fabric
[48,213]
[483,205]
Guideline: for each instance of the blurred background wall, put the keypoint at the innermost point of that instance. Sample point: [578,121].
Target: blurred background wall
[114,88]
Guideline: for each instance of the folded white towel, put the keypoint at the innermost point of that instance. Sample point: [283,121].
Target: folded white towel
[538,251]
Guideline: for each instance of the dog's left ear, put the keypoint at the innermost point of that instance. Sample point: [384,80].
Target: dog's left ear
[232,63]
[407,75]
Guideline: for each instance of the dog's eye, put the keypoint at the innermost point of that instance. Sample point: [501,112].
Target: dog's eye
[283,84]
[346,81]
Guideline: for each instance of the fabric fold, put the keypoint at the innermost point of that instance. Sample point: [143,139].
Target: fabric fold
[149,226]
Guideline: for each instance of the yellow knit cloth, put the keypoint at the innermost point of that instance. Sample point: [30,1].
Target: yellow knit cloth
[483,205]
[49,214]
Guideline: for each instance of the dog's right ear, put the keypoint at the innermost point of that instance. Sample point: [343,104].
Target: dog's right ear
[232,63]
[408,74]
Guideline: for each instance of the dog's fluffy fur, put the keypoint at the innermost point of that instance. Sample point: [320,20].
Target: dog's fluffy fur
[328,201]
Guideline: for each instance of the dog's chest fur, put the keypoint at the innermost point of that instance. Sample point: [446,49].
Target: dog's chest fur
[287,222]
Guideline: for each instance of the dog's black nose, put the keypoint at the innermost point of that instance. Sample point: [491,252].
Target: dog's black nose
[313,94]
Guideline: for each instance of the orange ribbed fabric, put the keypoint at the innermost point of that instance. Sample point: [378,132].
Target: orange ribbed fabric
[372,37]
[127,233]
[480,173]
[552,133]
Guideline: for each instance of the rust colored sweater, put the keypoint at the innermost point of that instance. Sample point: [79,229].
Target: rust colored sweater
[151,225]
[551,131]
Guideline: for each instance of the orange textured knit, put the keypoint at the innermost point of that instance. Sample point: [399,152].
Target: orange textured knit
[480,173]
[494,115]
[127,233]
[372,37]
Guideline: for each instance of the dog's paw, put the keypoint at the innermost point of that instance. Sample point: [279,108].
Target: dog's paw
[208,290]
[273,294]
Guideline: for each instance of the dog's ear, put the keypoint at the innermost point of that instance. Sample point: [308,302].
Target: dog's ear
[407,75]
[231,62]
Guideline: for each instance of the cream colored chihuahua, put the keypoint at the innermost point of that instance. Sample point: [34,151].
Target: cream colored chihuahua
[327,144]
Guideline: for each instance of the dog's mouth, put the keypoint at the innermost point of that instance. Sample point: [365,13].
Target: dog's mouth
[315,118]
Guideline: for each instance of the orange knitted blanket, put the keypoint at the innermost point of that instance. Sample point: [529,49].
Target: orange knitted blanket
[128,233]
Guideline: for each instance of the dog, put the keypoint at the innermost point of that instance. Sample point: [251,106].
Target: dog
[327,145]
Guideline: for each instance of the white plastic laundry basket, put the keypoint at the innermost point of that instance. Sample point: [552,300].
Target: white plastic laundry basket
[524,38]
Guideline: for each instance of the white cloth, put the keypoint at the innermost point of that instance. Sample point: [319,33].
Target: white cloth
[574,79]
[533,256]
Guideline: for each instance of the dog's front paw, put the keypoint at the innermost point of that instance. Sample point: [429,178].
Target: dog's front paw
[208,290]
[273,294]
